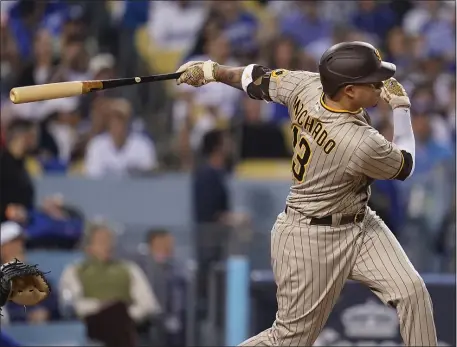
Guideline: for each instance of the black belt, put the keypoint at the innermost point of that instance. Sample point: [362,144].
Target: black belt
[346,219]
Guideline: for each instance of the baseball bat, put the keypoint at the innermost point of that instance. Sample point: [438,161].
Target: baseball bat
[22,95]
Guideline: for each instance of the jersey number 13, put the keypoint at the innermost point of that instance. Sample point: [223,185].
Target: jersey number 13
[302,154]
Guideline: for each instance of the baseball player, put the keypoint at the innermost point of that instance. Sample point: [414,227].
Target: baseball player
[327,233]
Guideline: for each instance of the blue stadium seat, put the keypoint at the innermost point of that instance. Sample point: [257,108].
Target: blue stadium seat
[53,261]
[54,334]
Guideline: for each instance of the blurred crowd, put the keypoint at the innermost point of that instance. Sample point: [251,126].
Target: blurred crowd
[147,129]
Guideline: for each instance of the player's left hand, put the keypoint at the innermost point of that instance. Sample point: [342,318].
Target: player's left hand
[394,94]
[197,73]
[23,284]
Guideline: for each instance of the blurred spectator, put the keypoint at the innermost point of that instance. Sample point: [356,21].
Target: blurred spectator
[398,51]
[212,212]
[101,284]
[16,187]
[11,63]
[119,36]
[304,24]
[428,194]
[423,102]
[284,53]
[199,110]
[173,25]
[239,26]
[438,34]
[210,30]
[41,68]
[260,139]
[121,151]
[166,278]
[316,48]
[62,125]
[415,20]
[74,61]
[210,194]
[375,18]
[18,193]
[12,247]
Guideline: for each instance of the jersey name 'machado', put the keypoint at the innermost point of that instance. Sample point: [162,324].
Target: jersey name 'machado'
[312,126]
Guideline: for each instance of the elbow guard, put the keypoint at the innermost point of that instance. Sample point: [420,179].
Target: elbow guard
[256,82]
[407,168]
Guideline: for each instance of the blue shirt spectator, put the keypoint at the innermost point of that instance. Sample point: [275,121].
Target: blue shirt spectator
[428,191]
[439,36]
[305,26]
[241,31]
[136,13]
[374,18]
[23,26]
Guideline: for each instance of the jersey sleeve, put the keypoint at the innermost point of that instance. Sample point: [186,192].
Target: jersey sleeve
[278,85]
[380,159]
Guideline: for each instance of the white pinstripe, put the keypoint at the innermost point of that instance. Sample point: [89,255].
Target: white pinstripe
[320,259]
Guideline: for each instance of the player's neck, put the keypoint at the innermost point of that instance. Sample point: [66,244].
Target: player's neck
[341,104]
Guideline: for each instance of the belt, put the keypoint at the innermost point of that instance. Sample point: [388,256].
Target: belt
[346,219]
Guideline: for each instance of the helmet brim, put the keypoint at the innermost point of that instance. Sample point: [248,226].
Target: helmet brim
[384,72]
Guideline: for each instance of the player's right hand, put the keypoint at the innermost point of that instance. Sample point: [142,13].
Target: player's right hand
[394,94]
[197,73]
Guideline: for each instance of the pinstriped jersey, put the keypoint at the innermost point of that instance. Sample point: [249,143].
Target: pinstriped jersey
[336,153]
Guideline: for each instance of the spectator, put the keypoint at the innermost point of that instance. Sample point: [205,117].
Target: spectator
[12,247]
[204,109]
[18,193]
[167,279]
[11,63]
[428,193]
[16,187]
[210,30]
[438,38]
[374,18]
[260,139]
[63,127]
[239,27]
[101,284]
[415,19]
[424,103]
[212,214]
[398,50]
[305,25]
[74,63]
[173,25]
[121,151]
[40,70]
[340,33]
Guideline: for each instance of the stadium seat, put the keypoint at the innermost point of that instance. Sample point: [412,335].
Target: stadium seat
[159,60]
[53,334]
[53,261]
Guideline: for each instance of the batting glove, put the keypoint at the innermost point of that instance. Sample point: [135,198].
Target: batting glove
[394,94]
[197,73]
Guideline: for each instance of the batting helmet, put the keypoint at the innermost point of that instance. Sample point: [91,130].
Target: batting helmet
[352,63]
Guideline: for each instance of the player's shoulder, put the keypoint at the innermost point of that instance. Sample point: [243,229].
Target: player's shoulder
[281,73]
